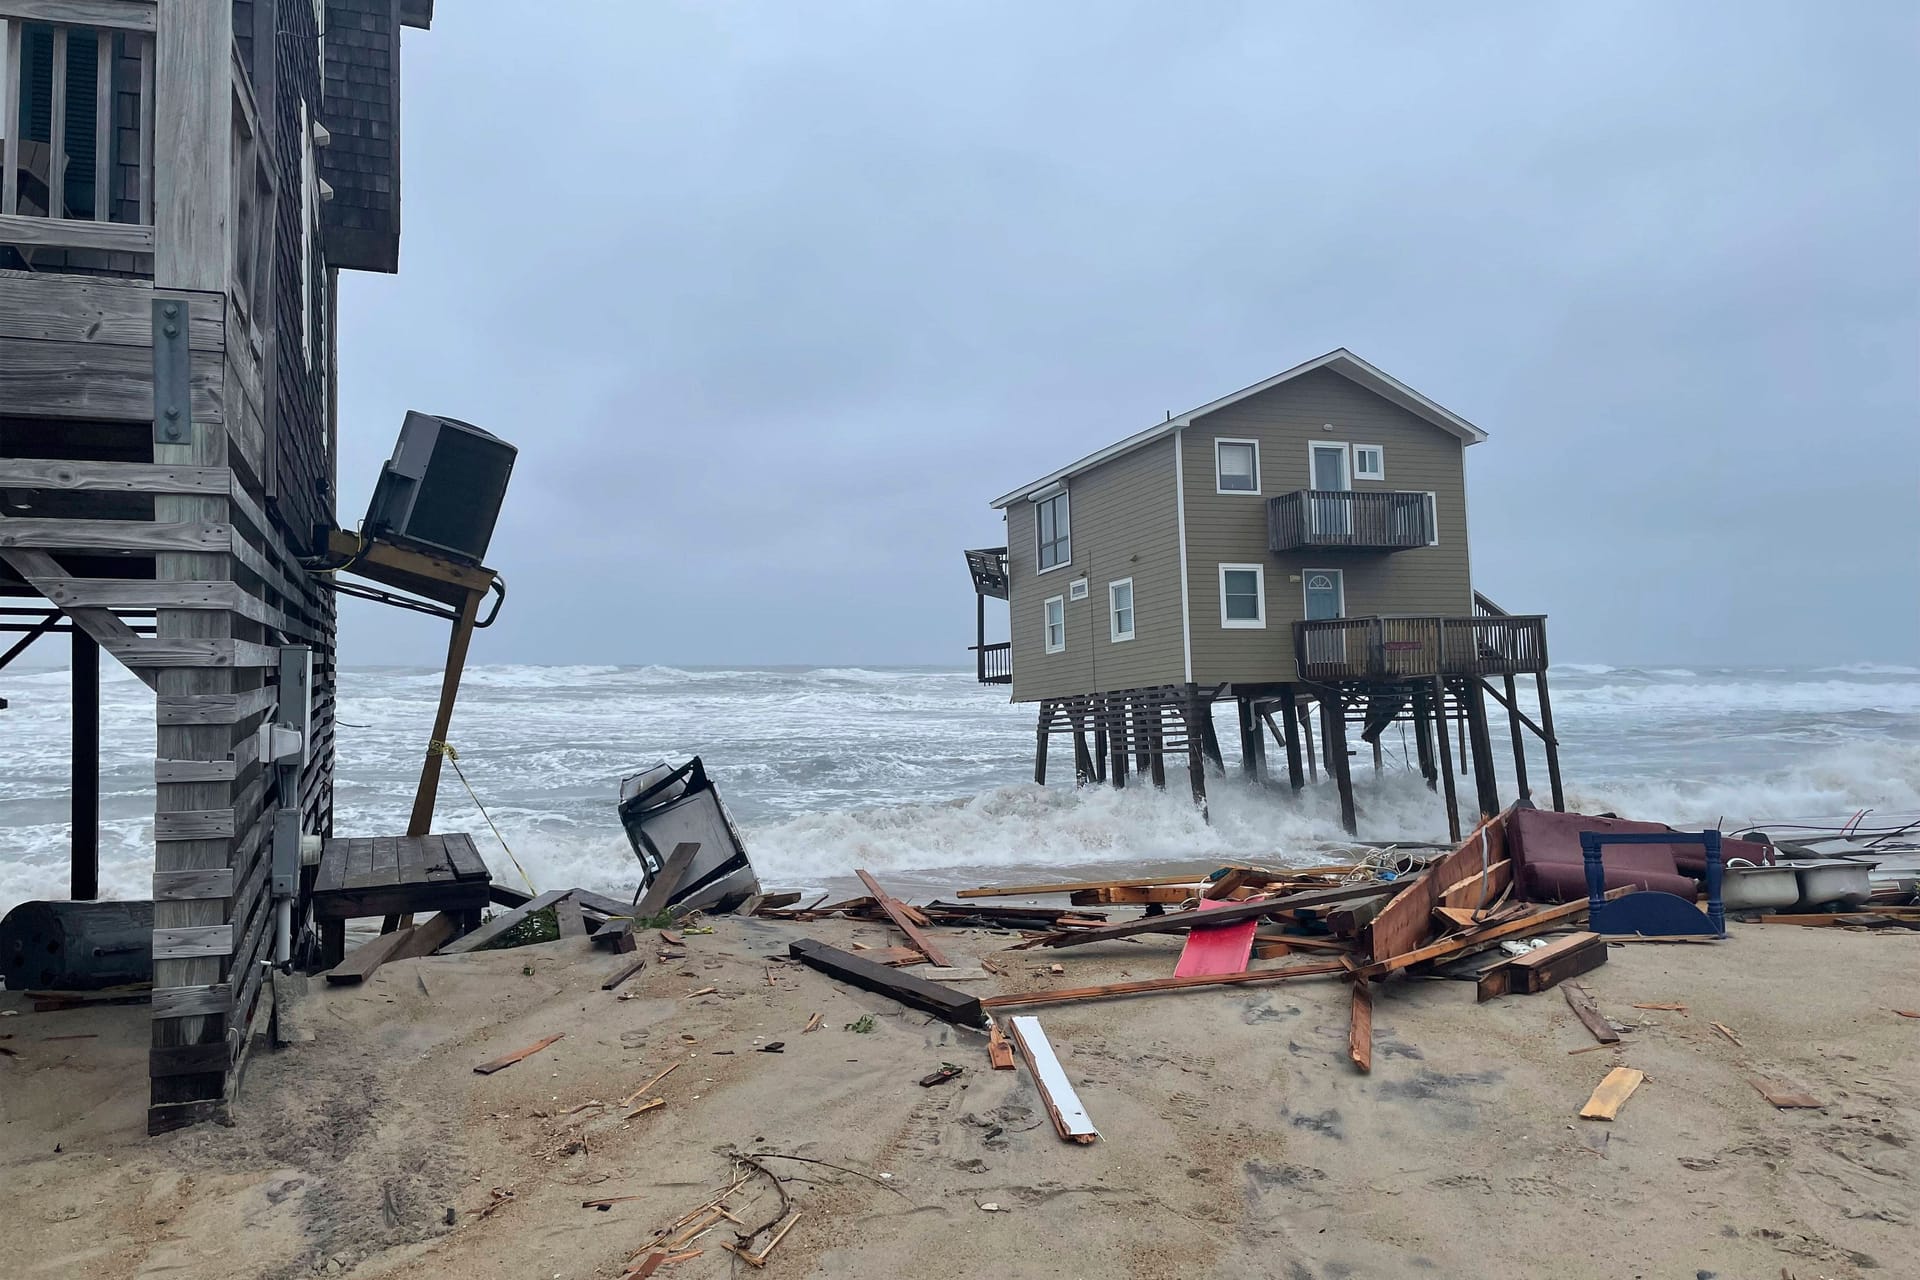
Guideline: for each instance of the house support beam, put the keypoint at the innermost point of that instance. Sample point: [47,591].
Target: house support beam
[1040,744]
[1199,718]
[1474,695]
[1521,789]
[1082,758]
[84,875]
[1552,743]
[1333,719]
[1446,759]
[428,791]
[1114,709]
[1253,746]
[1423,737]
[1290,717]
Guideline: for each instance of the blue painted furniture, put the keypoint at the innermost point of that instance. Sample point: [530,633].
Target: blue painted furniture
[1648,912]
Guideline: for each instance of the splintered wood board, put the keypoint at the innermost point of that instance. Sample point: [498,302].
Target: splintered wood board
[1589,1013]
[1360,1028]
[506,1060]
[1783,1098]
[1222,950]
[1070,1118]
[1612,1094]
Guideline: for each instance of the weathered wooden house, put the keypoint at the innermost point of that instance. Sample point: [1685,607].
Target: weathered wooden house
[183,182]
[1299,543]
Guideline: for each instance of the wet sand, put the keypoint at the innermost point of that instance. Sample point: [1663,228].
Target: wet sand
[1237,1140]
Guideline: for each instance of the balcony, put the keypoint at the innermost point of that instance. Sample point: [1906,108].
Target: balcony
[995,662]
[1410,648]
[1369,520]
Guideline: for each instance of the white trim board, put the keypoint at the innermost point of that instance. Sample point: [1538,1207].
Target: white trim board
[1069,1114]
[1340,361]
[1180,514]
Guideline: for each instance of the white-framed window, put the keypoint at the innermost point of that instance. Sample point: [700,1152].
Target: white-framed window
[1369,462]
[1077,589]
[1054,614]
[1236,466]
[1433,519]
[1052,530]
[1120,610]
[1243,596]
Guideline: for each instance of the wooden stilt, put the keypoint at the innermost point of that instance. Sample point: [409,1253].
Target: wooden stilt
[84,880]
[1040,744]
[1334,718]
[1379,759]
[1116,717]
[1303,713]
[1520,787]
[1157,734]
[1082,759]
[1484,780]
[424,798]
[1209,740]
[1250,743]
[1290,716]
[1446,759]
[1552,743]
[1423,738]
[1142,737]
[1460,724]
[1099,751]
[1198,714]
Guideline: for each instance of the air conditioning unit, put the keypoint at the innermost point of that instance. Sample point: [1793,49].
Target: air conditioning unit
[442,488]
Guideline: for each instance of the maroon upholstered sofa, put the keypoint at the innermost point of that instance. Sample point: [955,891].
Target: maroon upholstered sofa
[1549,866]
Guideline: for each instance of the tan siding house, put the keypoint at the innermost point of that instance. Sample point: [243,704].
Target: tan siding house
[1298,545]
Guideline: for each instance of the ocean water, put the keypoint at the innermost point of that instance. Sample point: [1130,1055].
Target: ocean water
[925,775]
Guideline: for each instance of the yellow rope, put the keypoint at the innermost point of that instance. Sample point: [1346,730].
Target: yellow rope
[453,758]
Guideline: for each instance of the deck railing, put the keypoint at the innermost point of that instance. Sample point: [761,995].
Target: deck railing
[1373,519]
[76,128]
[995,662]
[1420,646]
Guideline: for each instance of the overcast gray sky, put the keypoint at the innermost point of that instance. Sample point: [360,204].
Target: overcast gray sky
[773,297]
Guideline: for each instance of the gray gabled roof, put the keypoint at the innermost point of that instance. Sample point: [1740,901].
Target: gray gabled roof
[1340,361]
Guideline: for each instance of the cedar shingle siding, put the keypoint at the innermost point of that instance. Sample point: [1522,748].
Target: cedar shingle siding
[362,111]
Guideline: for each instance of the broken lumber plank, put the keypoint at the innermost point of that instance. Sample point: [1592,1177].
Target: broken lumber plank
[1175,921]
[1169,895]
[1612,1094]
[666,883]
[773,902]
[1151,985]
[428,937]
[897,912]
[1076,886]
[624,972]
[1544,967]
[1360,1026]
[1581,1002]
[506,1060]
[1070,1118]
[1726,1031]
[501,924]
[368,956]
[999,1052]
[1784,1098]
[917,993]
[895,956]
[616,936]
[1467,941]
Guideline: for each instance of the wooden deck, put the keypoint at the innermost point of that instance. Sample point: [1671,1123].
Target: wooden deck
[1407,648]
[395,875]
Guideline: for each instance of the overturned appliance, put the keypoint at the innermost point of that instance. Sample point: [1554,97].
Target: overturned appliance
[665,806]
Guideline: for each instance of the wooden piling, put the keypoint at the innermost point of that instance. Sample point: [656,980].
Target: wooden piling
[1521,789]
[84,877]
[1552,743]
[1446,759]
[1040,744]
[1082,759]
[1423,738]
[1334,720]
[1290,718]
[1197,714]
[1484,780]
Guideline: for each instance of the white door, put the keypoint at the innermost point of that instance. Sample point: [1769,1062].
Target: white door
[1331,514]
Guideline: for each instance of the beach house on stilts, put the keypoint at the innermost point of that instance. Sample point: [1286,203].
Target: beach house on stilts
[1298,547]
[181,183]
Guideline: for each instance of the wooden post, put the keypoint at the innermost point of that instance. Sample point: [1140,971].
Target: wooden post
[1040,744]
[1099,750]
[1334,718]
[1552,743]
[1209,739]
[1198,715]
[1483,776]
[980,634]
[1251,746]
[1157,736]
[1446,759]
[1142,738]
[1290,717]
[1303,708]
[1521,788]
[1082,760]
[1460,724]
[1423,738]
[1115,713]
[84,880]
[1379,759]
[429,790]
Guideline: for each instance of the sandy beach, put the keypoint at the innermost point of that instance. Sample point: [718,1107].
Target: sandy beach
[1236,1139]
